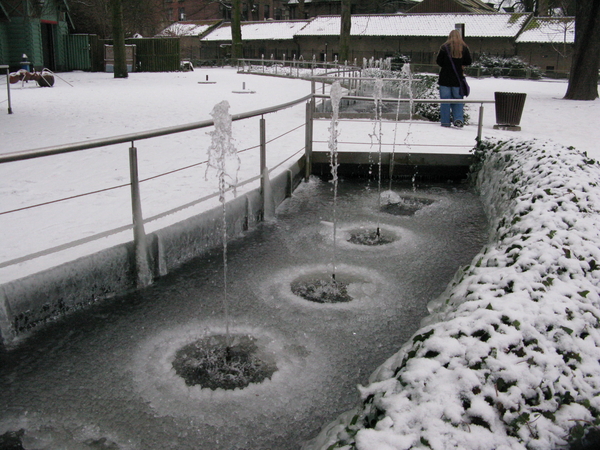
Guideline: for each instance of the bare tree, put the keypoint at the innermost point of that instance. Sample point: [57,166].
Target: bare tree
[301,9]
[583,79]
[346,24]
[92,16]
[120,66]
[559,30]
[237,50]
[145,17]
[541,7]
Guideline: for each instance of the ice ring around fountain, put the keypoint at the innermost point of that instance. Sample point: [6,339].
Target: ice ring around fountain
[403,204]
[183,370]
[314,286]
[363,236]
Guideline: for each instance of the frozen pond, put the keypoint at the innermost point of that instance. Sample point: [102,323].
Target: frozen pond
[103,378]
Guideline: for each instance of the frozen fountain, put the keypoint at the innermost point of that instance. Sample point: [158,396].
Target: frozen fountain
[322,286]
[223,360]
[142,371]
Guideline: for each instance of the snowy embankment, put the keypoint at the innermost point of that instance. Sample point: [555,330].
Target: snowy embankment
[509,357]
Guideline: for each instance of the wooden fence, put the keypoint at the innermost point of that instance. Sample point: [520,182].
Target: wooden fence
[151,54]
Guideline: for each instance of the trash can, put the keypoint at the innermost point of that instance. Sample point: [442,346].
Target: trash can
[509,109]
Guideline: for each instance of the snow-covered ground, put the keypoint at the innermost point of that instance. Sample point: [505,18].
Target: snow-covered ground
[509,356]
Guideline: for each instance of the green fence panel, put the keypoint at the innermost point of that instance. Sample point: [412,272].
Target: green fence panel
[78,52]
[156,54]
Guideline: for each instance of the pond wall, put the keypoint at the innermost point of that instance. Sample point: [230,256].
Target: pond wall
[30,302]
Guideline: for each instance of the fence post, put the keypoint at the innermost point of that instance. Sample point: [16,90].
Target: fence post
[308,139]
[142,268]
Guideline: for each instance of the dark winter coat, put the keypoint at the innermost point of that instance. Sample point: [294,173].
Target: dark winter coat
[447,75]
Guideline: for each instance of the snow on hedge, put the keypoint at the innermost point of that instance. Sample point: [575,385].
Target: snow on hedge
[509,357]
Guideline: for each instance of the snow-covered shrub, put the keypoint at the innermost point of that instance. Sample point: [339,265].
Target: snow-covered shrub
[498,66]
[508,358]
[426,87]
[398,61]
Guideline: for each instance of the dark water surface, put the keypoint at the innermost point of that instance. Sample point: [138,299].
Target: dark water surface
[103,378]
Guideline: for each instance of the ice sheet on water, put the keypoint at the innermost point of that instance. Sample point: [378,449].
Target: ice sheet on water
[32,431]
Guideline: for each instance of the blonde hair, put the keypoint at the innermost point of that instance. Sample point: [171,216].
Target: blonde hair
[456,44]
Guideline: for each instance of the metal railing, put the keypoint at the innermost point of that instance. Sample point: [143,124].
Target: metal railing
[134,182]
[143,272]
[294,68]
[352,83]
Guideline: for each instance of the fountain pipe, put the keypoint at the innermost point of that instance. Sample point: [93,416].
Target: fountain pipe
[142,268]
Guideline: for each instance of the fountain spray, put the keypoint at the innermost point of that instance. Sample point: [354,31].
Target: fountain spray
[378,96]
[223,158]
[336,96]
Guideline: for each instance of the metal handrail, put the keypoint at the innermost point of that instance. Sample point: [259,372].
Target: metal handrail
[143,272]
[303,62]
[408,100]
[95,143]
[138,222]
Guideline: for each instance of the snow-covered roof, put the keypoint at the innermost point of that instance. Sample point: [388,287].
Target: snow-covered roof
[188,28]
[475,6]
[252,31]
[548,30]
[476,25]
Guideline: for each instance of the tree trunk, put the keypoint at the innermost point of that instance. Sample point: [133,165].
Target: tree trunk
[542,8]
[346,24]
[583,79]
[301,10]
[118,35]
[237,50]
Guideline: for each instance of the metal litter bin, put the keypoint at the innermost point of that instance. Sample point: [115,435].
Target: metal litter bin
[509,109]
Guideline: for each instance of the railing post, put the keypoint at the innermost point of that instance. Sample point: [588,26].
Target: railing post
[143,274]
[308,139]
[479,125]
[8,86]
[263,162]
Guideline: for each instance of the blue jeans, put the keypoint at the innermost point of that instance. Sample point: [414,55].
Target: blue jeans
[447,92]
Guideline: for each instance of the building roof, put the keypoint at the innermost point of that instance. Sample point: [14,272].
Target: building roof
[188,28]
[473,6]
[549,30]
[265,30]
[426,25]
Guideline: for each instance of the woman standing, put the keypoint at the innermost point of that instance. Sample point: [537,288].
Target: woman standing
[454,51]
